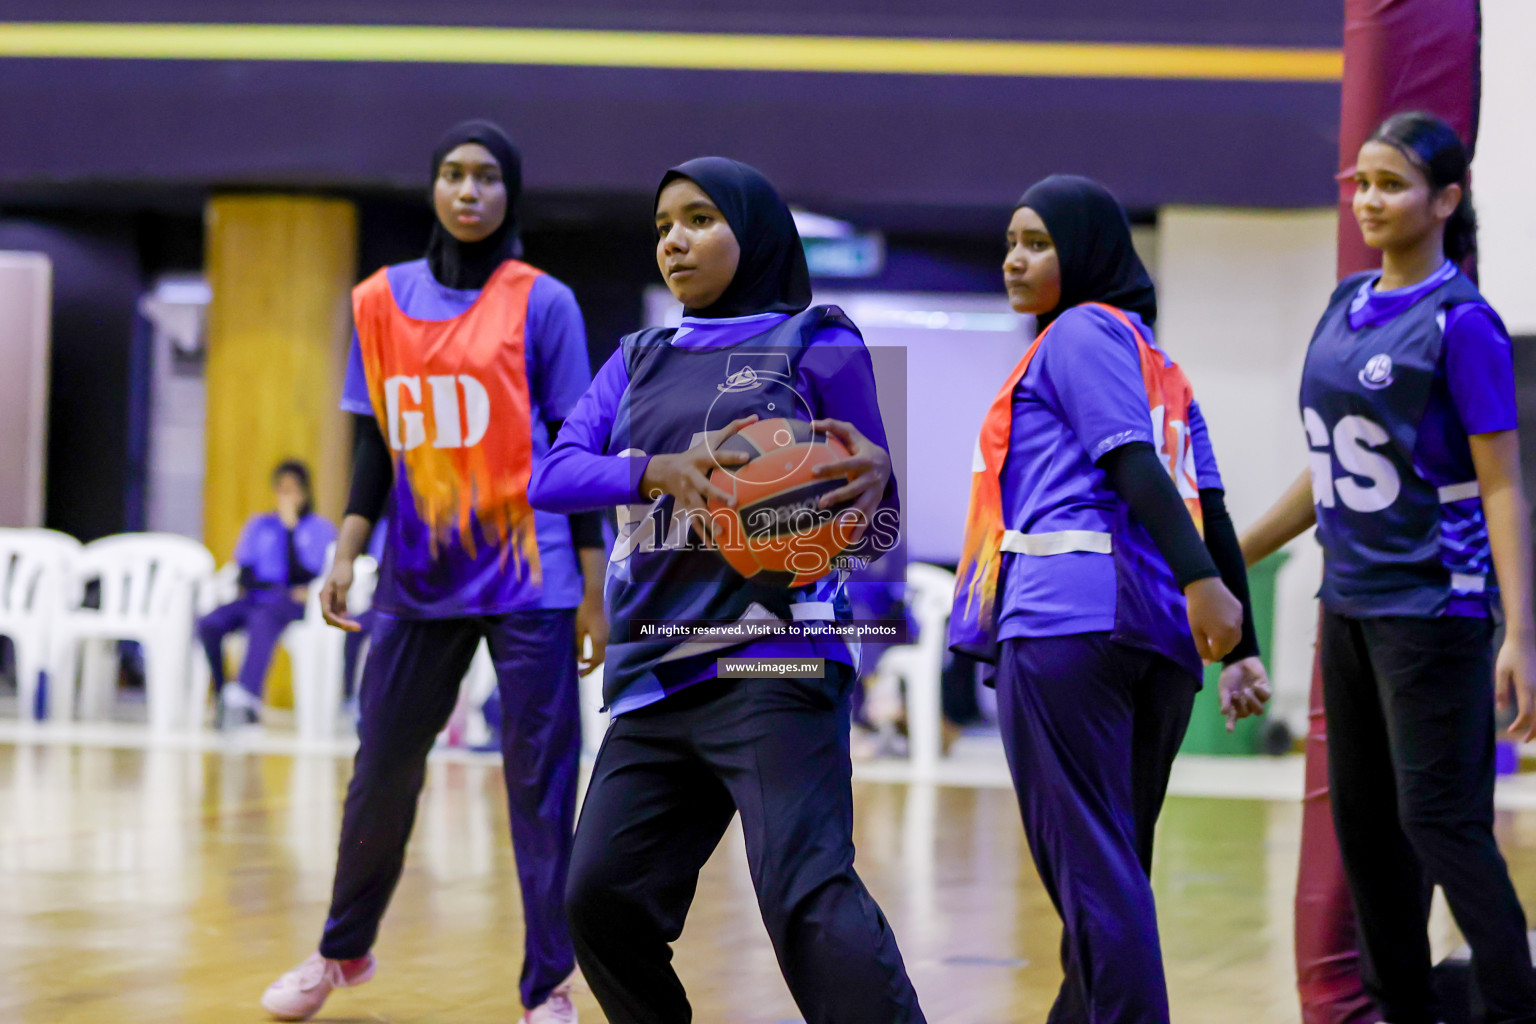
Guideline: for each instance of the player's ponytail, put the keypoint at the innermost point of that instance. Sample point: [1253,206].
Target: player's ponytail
[1437,151]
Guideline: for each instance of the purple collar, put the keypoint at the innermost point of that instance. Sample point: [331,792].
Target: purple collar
[701,334]
[1371,308]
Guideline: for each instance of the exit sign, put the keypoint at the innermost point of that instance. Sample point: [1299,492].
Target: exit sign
[852,256]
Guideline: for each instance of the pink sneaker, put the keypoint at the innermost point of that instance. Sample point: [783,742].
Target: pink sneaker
[557,1009]
[299,994]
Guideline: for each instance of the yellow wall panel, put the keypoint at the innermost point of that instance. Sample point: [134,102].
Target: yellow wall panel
[281,269]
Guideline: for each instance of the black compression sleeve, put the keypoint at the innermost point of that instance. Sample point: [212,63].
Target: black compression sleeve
[1137,475]
[587,531]
[373,471]
[1221,541]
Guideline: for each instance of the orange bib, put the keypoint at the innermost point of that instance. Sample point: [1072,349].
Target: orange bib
[1169,395]
[452,400]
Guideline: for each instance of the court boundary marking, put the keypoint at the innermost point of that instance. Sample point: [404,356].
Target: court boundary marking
[1230,778]
[1279,779]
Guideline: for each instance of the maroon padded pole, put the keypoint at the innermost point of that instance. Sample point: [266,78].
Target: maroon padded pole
[1398,55]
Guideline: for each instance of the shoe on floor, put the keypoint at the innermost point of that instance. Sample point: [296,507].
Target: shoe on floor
[299,994]
[238,719]
[557,1009]
[237,709]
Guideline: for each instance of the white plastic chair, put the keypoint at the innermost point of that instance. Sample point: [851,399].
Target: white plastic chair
[151,587]
[594,720]
[317,651]
[916,668]
[223,589]
[468,727]
[36,589]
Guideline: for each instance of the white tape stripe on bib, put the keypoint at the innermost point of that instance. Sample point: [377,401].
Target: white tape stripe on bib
[1060,543]
[1462,583]
[1459,492]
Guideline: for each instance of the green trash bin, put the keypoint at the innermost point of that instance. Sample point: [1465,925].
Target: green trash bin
[1207,728]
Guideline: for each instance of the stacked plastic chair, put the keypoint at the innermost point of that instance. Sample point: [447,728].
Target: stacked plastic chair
[150,587]
[916,668]
[37,593]
[317,653]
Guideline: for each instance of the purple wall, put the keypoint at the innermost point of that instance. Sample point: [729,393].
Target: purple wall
[881,145]
[1229,22]
[834,139]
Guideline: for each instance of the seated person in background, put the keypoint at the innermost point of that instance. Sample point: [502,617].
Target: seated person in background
[279,553]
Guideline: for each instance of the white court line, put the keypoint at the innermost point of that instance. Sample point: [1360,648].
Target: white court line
[129,736]
[979,765]
[1241,778]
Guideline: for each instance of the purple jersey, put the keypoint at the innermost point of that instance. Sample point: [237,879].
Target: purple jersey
[586,471]
[1394,384]
[264,548]
[1082,397]
[1474,386]
[461,580]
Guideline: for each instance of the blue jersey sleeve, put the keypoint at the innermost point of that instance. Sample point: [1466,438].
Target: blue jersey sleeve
[312,539]
[354,391]
[245,547]
[378,538]
[1094,373]
[1207,475]
[578,474]
[841,378]
[559,371]
[1480,369]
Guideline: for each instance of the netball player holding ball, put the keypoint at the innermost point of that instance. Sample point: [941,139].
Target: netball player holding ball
[688,749]
[1408,404]
[1085,578]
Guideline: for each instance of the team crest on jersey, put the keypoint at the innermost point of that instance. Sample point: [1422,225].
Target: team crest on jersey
[744,379]
[748,371]
[1377,372]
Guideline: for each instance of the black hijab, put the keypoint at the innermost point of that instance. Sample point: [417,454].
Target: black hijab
[1093,242]
[772,276]
[469,265]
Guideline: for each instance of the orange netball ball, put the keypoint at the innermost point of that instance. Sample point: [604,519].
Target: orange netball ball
[777,524]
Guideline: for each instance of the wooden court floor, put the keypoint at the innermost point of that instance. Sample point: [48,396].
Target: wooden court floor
[172,885]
